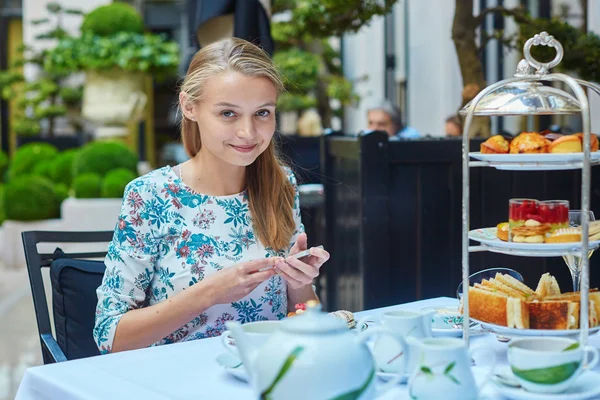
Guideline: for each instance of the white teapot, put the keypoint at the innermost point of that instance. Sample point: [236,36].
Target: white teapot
[313,356]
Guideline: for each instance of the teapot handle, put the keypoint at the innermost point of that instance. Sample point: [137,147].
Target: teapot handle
[364,336]
[492,354]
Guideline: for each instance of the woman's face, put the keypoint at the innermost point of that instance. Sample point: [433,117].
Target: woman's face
[236,117]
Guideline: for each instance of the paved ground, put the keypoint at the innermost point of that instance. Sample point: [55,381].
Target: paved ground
[19,344]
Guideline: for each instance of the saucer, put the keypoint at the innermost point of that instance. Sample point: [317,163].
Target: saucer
[585,387]
[388,376]
[453,332]
[233,365]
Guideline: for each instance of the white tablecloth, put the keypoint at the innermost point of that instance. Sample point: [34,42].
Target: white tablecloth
[182,371]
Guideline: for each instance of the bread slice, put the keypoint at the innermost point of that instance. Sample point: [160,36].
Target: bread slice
[515,284]
[547,286]
[517,313]
[488,306]
[501,287]
[594,301]
[554,314]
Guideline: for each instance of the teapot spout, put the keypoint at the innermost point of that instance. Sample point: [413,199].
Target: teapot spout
[246,351]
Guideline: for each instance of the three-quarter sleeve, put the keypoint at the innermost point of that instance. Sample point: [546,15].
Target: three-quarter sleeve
[129,263]
[297,215]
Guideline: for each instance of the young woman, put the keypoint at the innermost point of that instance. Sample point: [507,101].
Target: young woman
[209,240]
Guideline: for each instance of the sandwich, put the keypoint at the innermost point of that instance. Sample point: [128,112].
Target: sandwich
[493,302]
[553,314]
[547,286]
[515,284]
[594,303]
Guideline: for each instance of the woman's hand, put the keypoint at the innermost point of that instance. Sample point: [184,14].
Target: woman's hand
[300,273]
[232,284]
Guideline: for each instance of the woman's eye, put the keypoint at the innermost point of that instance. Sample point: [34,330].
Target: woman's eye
[263,113]
[228,114]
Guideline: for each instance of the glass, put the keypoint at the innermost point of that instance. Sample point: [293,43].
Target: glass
[478,277]
[519,211]
[572,261]
[555,213]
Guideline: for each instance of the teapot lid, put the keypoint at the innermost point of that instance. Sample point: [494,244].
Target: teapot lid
[313,320]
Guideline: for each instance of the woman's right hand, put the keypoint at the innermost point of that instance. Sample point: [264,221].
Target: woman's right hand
[234,283]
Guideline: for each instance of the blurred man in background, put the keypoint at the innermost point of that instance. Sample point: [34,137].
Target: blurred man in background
[386,117]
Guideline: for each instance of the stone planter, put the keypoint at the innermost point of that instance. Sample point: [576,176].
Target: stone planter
[90,214]
[112,99]
[13,254]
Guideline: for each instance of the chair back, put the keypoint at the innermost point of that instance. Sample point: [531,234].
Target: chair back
[74,280]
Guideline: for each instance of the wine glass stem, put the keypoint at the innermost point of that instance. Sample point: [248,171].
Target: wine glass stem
[576,275]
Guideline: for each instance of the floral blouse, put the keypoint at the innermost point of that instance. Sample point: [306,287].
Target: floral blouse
[169,237]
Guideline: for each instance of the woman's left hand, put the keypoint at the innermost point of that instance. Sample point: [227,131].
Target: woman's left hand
[300,273]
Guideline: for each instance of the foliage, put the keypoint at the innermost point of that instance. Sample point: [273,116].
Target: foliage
[62,192]
[87,186]
[30,198]
[101,157]
[310,66]
[325,18]
[113,18]
[125,50]
[582,49]
[62,167]
[41,99]
[28,156]
[43,168]
[3,163]
[113,184]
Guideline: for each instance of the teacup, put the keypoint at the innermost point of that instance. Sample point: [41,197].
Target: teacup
[549,365]
[257,333]
[444,317]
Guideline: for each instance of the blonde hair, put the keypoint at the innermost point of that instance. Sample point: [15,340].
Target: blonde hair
[270,192]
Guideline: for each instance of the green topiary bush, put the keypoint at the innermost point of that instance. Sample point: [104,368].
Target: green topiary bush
[28,156]
[43,169]
[62,192]
[101,157]
[3,164]
[113,184]
[111,19]
[87,186]
[30,198]
[62,167]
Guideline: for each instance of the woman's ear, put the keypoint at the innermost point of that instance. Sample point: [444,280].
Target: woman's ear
[187,108]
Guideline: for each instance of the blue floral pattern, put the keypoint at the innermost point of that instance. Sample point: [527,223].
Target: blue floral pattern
[168,238]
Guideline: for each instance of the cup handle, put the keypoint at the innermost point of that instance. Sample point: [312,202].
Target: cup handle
[363,336]
[595,355]
[225,341]
[491,369]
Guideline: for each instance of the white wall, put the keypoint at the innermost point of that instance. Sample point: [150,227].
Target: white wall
[425,57]
[364,54]
[434,80]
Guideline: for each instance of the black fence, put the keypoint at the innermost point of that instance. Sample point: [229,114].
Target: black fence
[393,212]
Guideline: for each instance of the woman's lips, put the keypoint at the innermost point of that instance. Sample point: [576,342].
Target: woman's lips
[244,149]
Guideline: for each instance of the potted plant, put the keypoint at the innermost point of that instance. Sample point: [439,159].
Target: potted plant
[41,102]
[100,171]
[117,58]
